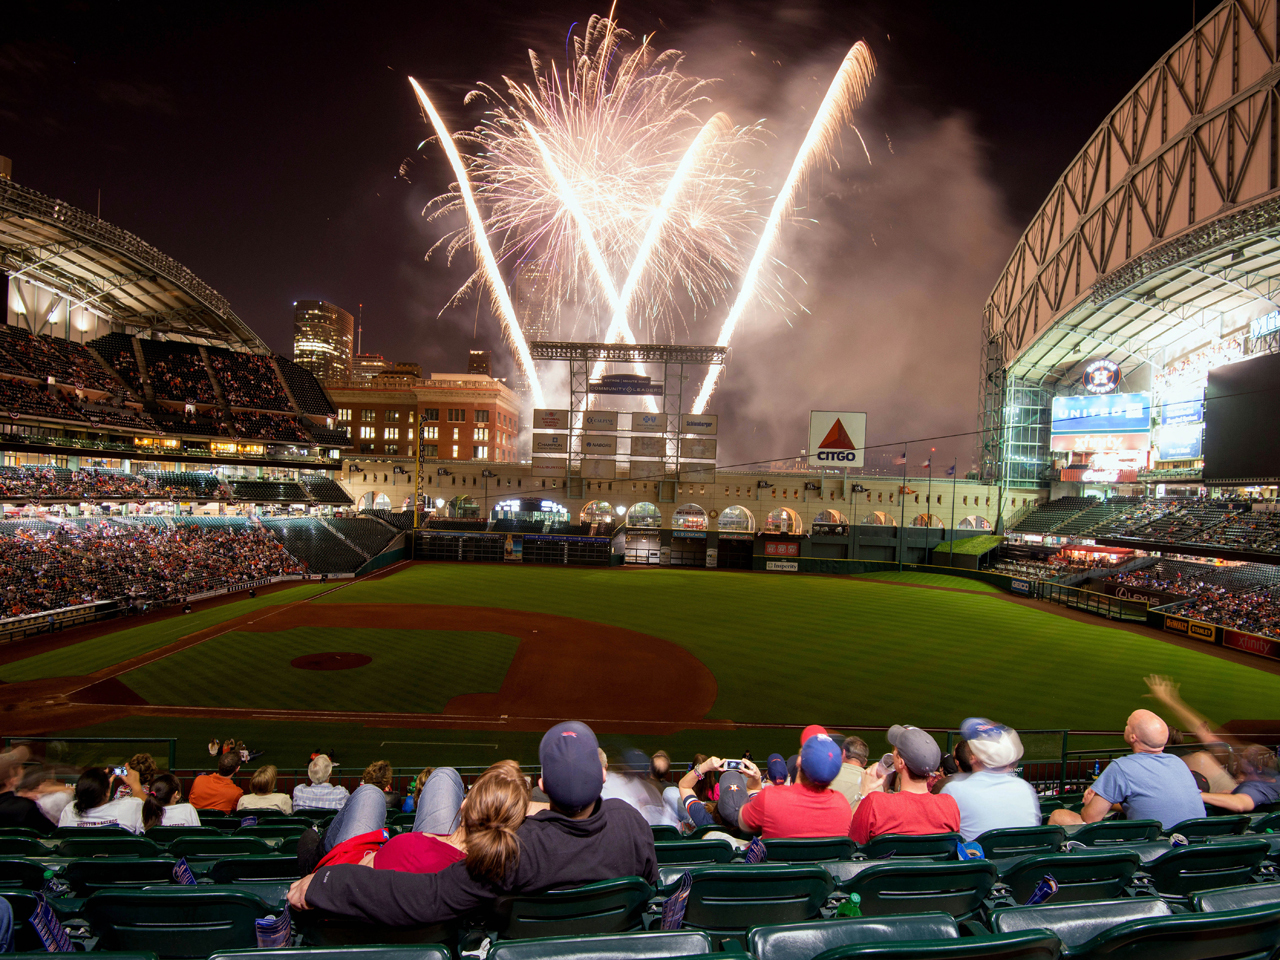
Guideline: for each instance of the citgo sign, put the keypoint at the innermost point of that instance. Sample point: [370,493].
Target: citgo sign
[836,439]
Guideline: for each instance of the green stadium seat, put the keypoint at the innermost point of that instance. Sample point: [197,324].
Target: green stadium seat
[1021,842]
[701,832]
[417,952]
[320,928]
[651,945]
[1026,946]
[808,850]
[1184,871]
[608,906]
[25,938]
[1243,897]
[288,847]
[923,887]
[206,814]
[269,832]
[17,832]
[1116,831]
[175,922]
[1203,828]
[1095,875]
[209,848]
[163,834]
[22,847]
[800,941]
[1270,822]
[127,846]
[665,833]
[255,869]
[1076,923]
[86,833]
[727,900]
[89,875]
[313,814]
[403,820]
[694,851]
[902,846]
[279,822]
[22,874]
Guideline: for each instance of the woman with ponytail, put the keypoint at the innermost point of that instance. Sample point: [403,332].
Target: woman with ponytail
[163,805]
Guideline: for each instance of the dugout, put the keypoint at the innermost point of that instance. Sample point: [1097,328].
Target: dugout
[734,551]
[688,548]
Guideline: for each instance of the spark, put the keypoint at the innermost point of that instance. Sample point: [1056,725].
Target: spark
[506,312]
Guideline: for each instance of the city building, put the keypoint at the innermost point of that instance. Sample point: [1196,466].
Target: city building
[366,366]
[480,361]
[322,339]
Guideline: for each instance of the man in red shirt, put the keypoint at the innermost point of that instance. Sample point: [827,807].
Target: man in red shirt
[805,809]
[217,791]
[913,810]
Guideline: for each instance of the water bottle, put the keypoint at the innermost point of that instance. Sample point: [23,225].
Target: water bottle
[851,907]
[1097,768]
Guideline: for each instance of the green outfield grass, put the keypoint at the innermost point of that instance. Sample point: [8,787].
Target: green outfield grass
[848,652]
[931,580]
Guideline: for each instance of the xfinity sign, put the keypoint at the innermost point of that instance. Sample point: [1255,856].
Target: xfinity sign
[837,439]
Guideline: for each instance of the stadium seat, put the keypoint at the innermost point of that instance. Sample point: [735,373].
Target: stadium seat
[694,851]
[1245,896]
[22,874]
[902,846]
[609,906]
[127,846]
[85,833]
[809,849]
[665,833]
[727,900]
[175,922]
[1096,875]
[922,886]
[1270,822]
[1021,842]
[1075,923]
[1026,946]
[17,832]
[800,941]
[22,847]
[320,928]
[1202,828]
[271,831]
[1116,831]
[25,938]
[417,952]
[89,875]
[163,834]
[209,848]
[1206,866]
[255,869]
[279,821]
[650,945]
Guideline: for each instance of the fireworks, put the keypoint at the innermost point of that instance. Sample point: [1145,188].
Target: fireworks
[602,170]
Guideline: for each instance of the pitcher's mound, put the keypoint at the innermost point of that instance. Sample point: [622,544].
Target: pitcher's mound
[330,661]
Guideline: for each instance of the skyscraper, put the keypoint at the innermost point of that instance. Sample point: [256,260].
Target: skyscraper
[322,339]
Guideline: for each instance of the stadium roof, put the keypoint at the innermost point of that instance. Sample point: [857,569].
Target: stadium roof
[112,272]
[1164,232]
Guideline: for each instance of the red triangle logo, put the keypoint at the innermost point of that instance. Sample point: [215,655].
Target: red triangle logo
[837,438]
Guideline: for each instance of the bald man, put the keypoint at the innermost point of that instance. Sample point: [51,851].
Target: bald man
[1148,784]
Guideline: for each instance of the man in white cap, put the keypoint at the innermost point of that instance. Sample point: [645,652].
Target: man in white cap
[993,796]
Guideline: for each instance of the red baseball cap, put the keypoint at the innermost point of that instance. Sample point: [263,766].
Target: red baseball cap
[809,731]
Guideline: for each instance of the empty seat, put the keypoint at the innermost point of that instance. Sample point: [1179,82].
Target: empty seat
[126,846]
[923,886]
[800,941]
[1207,866]
[108,873]
[255,869]
[650,945]
[1021,842]
[1021,946]
[1095,875]
[86,833]
[163,834]
[209,848]
[694,851]
[175,922]
[1203,828]
[1075,923]
[416,952]
[727,900]
[1116,831]
[22,847]
[809,849]
[608,906]
[899,846]
[1238,898]
[663,832]
[22,874]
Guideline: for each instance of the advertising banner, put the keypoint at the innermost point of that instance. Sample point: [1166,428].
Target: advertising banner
[1180,442]
[599,470]
[1100,442]
[1113,413]
[1022,587]
[697,448]
[600,420]
[550,420]
[649,423]
[648,446]
[513,549]
[1185,405]
[702,423]
[1192,629]
[599,445]
[1156,598]
[776,548]
[647,470]
[693,473]
[1251,643]
[626,385]
[713,557]
[548,467]
[836,438]
[782,566]
[550,443]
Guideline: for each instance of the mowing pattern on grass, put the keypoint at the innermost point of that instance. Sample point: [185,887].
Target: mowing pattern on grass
[922,579]
[112,648]
[411,670]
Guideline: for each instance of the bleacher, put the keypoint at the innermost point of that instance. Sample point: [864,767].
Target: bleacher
[269,491]
[248,380]
[1048,515]
[305,389]
[117,350]
[177,371]
[45,356]
[402,520]
[464,526]
[268,426]
[325,490]
[331,438]
[367,534]
[176,421]
[322,550]
[37,400]
[1098,513]
[216,523]
[204,486]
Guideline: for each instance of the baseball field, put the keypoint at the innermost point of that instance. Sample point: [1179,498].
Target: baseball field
[465,663]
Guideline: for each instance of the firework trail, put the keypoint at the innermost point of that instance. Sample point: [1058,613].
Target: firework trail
[506,312]
[844,95]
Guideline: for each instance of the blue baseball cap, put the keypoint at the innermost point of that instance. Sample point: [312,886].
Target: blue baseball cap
[571,773]
[777,769]
[820,759]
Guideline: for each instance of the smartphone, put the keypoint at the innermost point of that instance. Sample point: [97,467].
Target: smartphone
[120,771]
[733,764]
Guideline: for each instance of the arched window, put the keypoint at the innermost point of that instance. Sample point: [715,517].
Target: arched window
[974,522]
[644,514]
[880,519]
[783,520]
[831,516]
[597,511]
[736,519]
[689,516]
[374,501]
[927,520]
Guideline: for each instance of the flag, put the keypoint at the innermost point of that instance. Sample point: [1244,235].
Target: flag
[951,470]
[927,465]
[900,460]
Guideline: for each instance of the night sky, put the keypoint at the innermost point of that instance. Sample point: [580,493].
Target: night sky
[260,144]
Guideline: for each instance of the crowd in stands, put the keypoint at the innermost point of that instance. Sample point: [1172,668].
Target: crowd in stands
[248,380]
[181,376]
[141,564]
[268,426]
[90,485]
[1241,597]
[44,356]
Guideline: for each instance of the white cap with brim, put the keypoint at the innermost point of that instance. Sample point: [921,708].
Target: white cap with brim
[993,744]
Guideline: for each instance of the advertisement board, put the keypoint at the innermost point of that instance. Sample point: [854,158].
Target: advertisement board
[1182,405]
[1192,629]
[837,438]
[697,448]
[701,423]
[1100,442]
[598,470]
[1101,376]
[600,420]
[550,420]
[550,443]
[1181,442]
[1112,413]
[625,385]
[649,423]
[1251,643]
[1121,591]
[598,444]
[782,566]
[778,548]
[547,467]
[648,446]
[647,470]
[696,473]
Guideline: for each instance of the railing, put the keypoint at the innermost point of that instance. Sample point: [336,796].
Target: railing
[1113,608]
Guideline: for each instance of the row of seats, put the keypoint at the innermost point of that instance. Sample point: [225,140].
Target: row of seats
[368,535]
[315,544]
[324,490]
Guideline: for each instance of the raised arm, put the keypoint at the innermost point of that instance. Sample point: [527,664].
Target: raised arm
[390,897]
[1165,690]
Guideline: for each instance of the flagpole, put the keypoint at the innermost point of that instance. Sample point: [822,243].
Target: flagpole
[928,503]
[954,472]
[902,510]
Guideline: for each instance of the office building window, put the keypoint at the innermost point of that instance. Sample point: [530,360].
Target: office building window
[368,433]
[431,413]
[391,433]
[391,416]
[393,448]
[366,448]
[480,433]
[430,450]
[455,433]
[344,414]
[368,416]
[455,451]
[480,453]
[457,415]
[482,416]
[430,433]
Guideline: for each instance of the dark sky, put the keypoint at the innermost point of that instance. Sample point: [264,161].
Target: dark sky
[259,143]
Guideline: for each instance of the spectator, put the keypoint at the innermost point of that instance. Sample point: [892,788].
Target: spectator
[139,772]
[319,794]
[262,793]
[163,805]
[50,795]
[775,771]
[1148,784]
[580,839]
[1210,762]
[693,812]
[848,782]
[411,801]
[807,808]
[15,809]
[378,773]
[992,797]
[217,791]
[1258,787]
[93,806]
[913,809]
[632,783]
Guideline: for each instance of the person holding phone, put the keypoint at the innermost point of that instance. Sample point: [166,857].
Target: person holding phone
[806,808]
[93,806]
